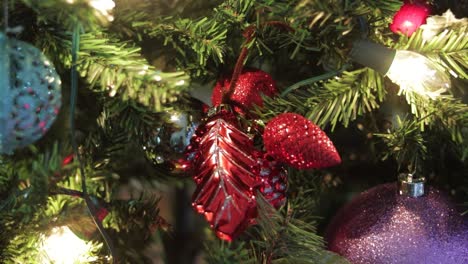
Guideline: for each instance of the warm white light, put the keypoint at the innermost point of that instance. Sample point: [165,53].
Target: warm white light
[64,247]
[179,83]
[104,7]
[175,117]
[414,72]
[437,24]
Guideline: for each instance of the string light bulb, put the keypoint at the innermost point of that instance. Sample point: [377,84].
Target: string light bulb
[62,246]
[415,72]
[410,70]
[103,7]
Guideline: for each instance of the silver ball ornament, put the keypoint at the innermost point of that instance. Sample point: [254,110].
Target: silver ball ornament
[165,144]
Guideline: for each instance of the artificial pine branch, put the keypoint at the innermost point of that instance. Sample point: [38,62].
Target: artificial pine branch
[285,239]
[218,251]
[107,63]
[338,100]
[449,49]
[116,68]
[65,14]
[406,144]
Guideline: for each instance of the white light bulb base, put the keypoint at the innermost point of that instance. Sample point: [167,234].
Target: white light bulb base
[372,55]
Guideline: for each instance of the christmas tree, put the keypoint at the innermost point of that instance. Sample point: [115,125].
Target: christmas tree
[234,131]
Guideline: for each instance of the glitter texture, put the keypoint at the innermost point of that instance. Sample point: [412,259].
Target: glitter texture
[273,179]
[30,99]
[250,86]
[380,226]
[296,141]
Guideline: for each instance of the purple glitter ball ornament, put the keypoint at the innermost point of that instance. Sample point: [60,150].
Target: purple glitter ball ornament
[381,226]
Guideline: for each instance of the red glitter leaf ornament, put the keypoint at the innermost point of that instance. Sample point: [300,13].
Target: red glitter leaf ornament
[296,141]
[409,18]
[252,83]
[222,165]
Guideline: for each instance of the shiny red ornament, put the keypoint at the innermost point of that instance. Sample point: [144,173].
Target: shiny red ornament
[380,226]
[223,161]
[67,160]
[273,180]
[409,18]
[296,141]
[250,86]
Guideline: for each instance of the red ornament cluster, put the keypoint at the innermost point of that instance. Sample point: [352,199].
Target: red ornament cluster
[229,171]
[250,86]
[296,141]
[409,18]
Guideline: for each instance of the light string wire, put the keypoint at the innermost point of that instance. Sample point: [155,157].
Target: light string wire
[73,98]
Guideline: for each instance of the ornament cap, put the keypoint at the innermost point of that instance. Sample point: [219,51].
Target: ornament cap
[372,55]
[409,186]
[218,109]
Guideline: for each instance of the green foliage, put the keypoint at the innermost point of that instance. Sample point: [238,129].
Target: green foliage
[218,251]
[445,114]
[406,144]
[338,100]
[66,14]
[449,49]
[107,63]
[285,239]
[7,178]
[115,68]
[195,41]
[136,214]
[385,7]
[133,224]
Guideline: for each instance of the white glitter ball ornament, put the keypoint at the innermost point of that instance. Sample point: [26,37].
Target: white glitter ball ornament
[30,96]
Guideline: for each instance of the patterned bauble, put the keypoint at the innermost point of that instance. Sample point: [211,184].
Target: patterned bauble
[296,141]
[409,18]
[381,226]
[273,179]
[165,143]
[250,86]
[30,96]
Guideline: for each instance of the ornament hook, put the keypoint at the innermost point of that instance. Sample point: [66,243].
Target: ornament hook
[410,186]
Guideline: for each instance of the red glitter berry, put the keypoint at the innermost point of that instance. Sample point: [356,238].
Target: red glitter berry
[250,86]
[273,180]
[296,141]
